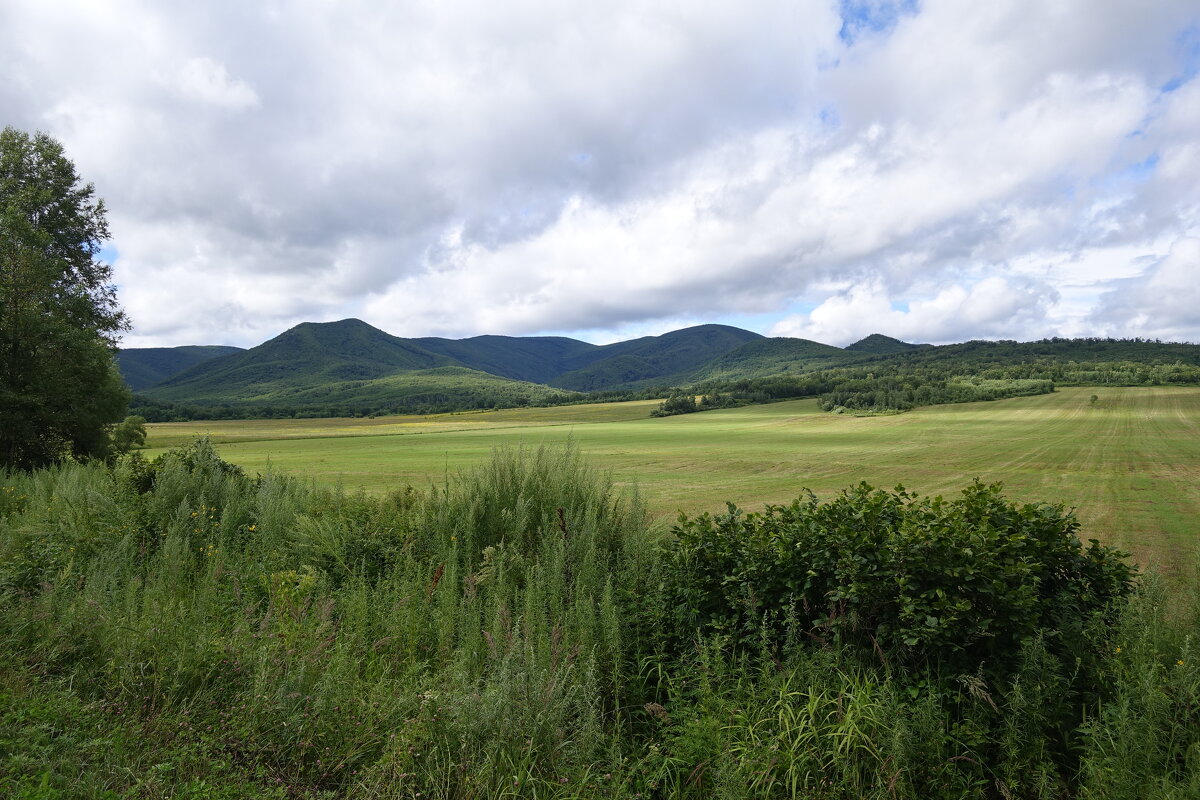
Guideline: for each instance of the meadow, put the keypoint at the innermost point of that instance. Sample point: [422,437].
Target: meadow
[1128,462]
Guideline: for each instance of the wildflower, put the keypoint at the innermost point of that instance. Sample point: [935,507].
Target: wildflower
[1179,663]
[1118,649]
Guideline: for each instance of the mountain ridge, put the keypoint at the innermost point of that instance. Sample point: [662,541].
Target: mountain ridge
[349,366]
[878,344]
[311,354]
[143,367]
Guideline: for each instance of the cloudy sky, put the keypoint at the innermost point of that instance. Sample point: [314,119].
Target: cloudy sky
[935,170]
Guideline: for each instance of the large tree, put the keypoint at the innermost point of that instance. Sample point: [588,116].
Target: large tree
[59,319]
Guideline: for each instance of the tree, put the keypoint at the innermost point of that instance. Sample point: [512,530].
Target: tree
[59,319]
[680,402]
[129,434]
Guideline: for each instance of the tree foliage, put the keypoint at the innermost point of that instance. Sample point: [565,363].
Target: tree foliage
[958,583]
[678,403]
[129,435]
[59,318]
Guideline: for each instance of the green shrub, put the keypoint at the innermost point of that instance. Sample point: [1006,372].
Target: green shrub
[678,403]
[934,582]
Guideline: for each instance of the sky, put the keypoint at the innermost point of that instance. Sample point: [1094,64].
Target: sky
[935,171]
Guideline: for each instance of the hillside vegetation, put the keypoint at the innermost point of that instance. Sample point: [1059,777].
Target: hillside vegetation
[878,344]
[304,357]
[178,629]
[970,372]
[771,357]
[423,391]
[351,368]
[536,359]
[143,367]
[656,360]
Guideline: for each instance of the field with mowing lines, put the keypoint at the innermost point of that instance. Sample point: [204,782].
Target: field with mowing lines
[1130,462]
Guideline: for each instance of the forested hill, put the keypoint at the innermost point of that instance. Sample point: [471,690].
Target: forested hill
[878,344]
[350,367]
[1066,351]
[970,371]
[672,358]
[143,367]
[306,356]
[524,358]
[298,362]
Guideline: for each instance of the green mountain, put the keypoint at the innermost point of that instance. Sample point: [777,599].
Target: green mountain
[653,360]
[763,357]
[351,363]
[878,344]
[306,357]
[435,389]
[143,367]
[524,358]
[351,367]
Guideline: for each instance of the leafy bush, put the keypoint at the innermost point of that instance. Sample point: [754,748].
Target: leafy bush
[955,583]
[718,400]
[129,435]
[677,403]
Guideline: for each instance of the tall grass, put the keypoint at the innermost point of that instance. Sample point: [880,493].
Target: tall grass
[183,630]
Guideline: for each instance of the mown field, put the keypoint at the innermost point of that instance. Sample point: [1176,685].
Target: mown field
[1130,462]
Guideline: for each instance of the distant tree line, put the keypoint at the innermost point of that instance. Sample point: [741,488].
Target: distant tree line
[965,373]
[430,403]
[902,393]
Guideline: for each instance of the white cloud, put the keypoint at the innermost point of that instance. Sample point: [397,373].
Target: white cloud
[206,81]
[992,308]
[466,167]
[1162,302]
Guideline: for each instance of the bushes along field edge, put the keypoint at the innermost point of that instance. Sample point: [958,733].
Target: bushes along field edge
[522,631]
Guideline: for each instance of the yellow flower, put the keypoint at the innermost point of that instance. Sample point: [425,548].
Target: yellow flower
[1117,650]
[1179,663]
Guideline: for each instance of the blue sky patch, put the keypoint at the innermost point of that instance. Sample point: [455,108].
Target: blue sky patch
[861,17]
[1188,43]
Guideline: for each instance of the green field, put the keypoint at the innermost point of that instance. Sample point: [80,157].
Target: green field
[1130,463]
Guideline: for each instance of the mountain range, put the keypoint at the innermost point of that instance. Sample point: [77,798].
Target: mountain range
[352,367]
[352,362]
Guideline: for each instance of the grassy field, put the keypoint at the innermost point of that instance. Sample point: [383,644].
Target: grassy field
[1130,462]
